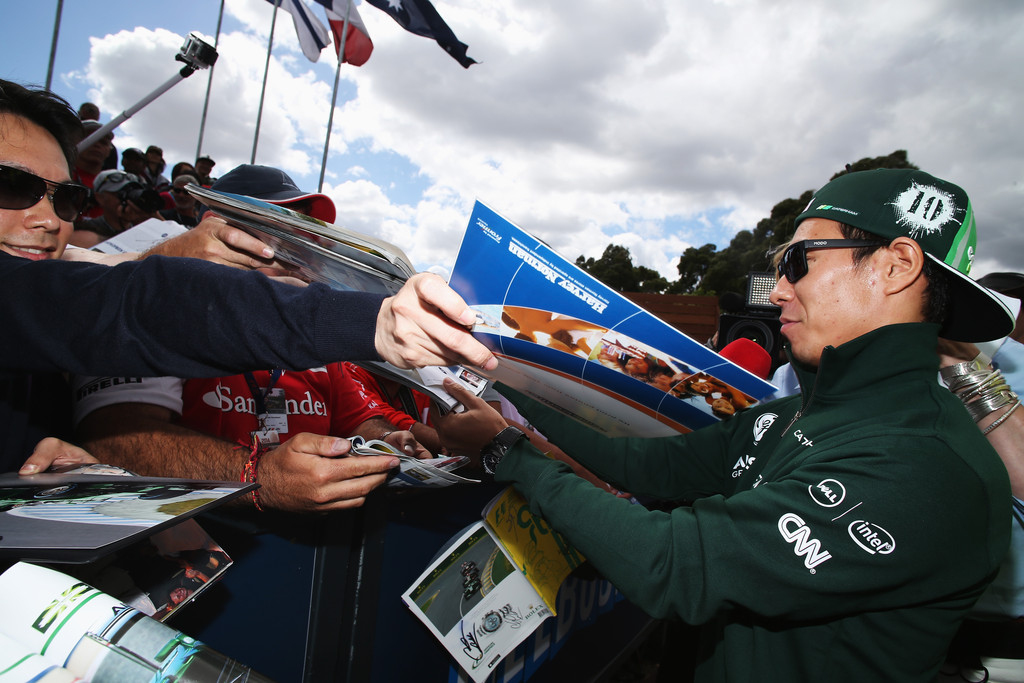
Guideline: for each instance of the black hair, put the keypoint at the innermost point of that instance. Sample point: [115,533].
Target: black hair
[936,294]
[50,112]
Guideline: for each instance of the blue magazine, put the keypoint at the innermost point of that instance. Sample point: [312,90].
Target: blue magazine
[567,340]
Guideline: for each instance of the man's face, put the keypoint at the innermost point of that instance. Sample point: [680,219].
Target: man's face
[133,164]
[95,154]
[182,199]
[832,303]
[36,232]
[204,167]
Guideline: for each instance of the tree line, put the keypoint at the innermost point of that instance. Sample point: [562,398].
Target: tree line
[708,271]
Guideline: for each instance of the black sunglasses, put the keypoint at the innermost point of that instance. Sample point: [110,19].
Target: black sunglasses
[793,264]
[20,190]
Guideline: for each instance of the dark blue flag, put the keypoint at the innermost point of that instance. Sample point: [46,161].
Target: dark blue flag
[420,17]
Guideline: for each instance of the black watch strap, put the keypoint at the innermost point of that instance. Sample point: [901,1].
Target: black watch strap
[493,452]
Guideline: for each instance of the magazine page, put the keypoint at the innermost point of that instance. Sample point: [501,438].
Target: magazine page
[430,380]
[475,601]
[567,340]
[98,638]
[141,237]
[319,252]
[537,550]
[54,517]
[19,664]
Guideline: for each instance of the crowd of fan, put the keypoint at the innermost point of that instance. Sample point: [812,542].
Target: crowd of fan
[125,196]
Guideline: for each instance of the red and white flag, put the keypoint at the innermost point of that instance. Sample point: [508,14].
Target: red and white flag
[358,45]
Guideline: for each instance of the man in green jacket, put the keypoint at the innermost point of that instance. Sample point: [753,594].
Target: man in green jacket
[838,535]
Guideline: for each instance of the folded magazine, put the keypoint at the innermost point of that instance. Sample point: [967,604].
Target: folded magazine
[567,340]
[493,585]
[415,472]
[58,629]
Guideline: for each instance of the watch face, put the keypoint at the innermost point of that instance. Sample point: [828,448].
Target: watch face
[490,458]
[498,447]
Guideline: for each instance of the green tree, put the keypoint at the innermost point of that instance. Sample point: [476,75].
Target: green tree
[615,268]
[692,267]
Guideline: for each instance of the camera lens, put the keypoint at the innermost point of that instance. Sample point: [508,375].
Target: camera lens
[144,198]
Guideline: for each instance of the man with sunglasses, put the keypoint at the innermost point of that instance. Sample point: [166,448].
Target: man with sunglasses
[184,209]
[161,316]
[838,535]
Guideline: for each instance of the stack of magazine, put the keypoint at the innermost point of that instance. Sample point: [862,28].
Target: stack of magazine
[319,251]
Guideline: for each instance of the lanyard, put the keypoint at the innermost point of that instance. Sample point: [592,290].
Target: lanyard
[258,396]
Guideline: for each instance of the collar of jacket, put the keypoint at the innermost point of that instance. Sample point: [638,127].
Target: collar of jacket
[870,360]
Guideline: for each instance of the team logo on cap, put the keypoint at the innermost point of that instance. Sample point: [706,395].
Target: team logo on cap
[924,209]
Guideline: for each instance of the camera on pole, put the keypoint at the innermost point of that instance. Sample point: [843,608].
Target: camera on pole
[195,53]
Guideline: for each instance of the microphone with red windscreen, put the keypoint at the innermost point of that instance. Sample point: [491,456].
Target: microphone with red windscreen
[749,355]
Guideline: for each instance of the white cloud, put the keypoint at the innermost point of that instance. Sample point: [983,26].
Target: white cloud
[592,123]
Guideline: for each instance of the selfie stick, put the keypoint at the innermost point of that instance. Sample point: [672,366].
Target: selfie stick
[195,53]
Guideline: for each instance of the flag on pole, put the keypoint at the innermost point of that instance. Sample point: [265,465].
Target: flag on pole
[420,17]
[313,35]
[358,45]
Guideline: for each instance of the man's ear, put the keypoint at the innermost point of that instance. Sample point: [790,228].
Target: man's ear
[901,265]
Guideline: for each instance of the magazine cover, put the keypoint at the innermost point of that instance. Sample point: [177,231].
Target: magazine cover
[318,251]
[567,340]
[80,518]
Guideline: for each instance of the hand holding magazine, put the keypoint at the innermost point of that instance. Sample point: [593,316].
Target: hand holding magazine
[319,252]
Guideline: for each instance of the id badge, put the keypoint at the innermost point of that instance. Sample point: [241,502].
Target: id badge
[275,420]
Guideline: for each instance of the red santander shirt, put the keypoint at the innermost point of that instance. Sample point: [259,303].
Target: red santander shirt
[321,401]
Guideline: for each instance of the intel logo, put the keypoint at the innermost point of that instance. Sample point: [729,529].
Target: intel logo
[872,537]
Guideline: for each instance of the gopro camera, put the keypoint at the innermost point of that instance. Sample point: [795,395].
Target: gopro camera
[196,52]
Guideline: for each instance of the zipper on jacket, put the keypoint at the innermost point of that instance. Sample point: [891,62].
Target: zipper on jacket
[796,416]
[805,400]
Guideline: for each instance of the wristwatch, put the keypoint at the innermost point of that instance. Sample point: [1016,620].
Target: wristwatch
[493,452]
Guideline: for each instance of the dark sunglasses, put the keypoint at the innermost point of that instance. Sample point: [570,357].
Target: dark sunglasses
[793,264]
[21,190]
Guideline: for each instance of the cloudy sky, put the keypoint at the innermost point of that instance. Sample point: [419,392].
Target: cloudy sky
[654,124]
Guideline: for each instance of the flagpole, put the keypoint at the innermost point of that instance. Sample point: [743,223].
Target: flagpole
[53,43]
[209,84]
[263,92]
[334,94]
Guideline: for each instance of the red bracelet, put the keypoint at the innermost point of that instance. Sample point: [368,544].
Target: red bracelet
[251,466]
